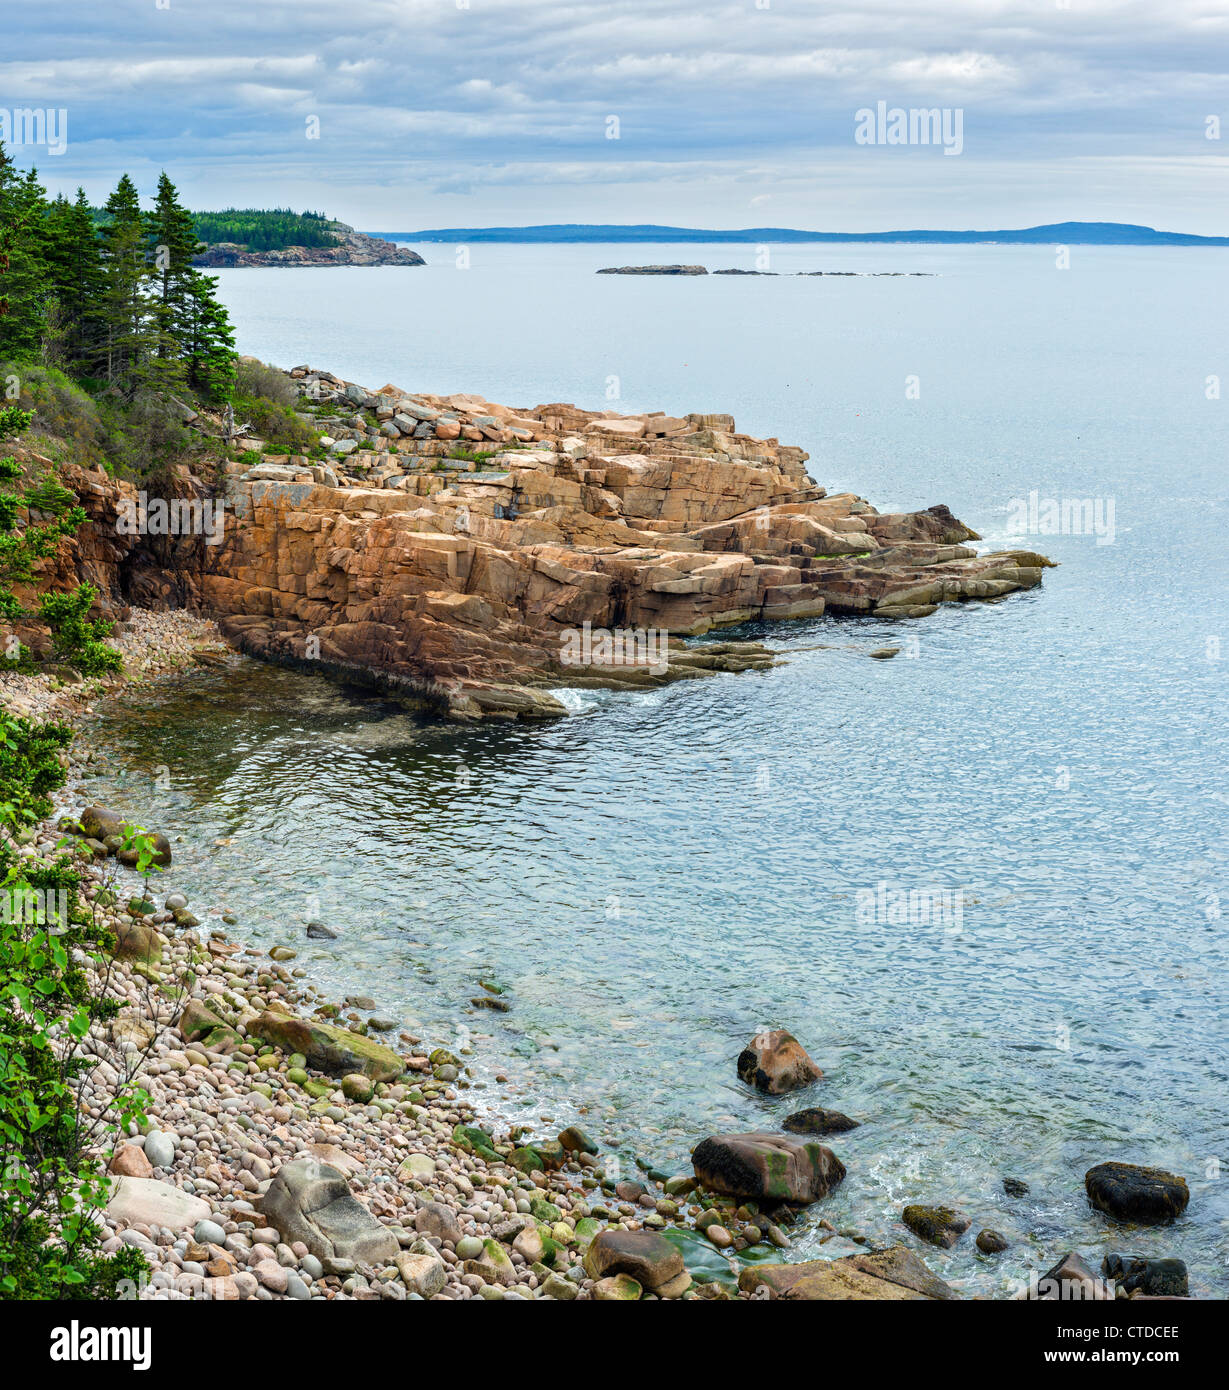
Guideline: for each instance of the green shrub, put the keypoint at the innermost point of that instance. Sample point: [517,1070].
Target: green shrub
[258,380]
[50,1149]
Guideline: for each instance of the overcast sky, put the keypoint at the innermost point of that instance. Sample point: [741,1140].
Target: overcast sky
[730,113]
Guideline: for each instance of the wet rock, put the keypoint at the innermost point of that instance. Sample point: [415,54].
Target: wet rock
[318,931]
[1015,1187]
[893,1275]
[775,1061]
[1128,1192]
[1069,1279]
[817,1121]
[575,1140]
[644,1256]
[310,1201]
[941,1226]
[992,1242]
[1156,1278]
[767,1167]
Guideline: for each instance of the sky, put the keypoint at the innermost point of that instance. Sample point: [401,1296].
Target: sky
[399,115]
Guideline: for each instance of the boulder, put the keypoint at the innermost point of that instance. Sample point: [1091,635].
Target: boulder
[138,1201]
[437,1219]
[776,1062]
[198,1020]
[312,1202]
[767,1167]
[1127,1192]
[891,1275]
[137,941]
[992,1242]
[816,1121]
[1154,1278]
[644,1256]
[327,1047]
[421,1273]
[1070,1279]
[101,822]
[941,1226]
[129,1161]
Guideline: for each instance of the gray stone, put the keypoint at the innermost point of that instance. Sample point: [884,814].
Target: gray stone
[159,1148]
[208,1233]
[311,1201]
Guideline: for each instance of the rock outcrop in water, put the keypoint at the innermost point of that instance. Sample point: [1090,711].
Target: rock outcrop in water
[475,555]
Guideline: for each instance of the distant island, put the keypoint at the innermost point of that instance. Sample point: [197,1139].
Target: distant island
[281,237]
[1066,233]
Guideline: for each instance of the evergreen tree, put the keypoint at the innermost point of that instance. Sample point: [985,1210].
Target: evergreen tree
[208,341]
[172,242]
[76,278]
[24,279]
[129,350]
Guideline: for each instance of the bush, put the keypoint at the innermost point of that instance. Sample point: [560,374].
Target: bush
[52,1181]
[259,380]
[61,411]
[278,425]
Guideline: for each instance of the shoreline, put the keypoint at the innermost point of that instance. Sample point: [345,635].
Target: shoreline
[419,1150]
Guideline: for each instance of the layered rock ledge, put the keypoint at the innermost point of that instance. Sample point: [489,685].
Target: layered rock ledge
[474,555]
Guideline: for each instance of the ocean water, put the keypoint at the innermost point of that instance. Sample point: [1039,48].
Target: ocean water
[663,874]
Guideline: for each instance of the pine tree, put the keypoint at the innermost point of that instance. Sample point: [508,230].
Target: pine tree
[131,339]
[24,279]
[171,243]
[76,278]
[208,341]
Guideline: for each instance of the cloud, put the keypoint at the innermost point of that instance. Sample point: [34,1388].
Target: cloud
[492,107]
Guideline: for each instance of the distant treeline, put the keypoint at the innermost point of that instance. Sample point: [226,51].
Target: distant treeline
[265,230]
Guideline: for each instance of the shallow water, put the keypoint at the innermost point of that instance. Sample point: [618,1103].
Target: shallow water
[663,874]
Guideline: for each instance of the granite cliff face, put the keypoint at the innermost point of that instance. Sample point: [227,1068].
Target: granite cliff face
[475,555]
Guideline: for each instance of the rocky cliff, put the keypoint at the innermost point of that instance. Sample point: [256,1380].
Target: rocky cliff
[474,555]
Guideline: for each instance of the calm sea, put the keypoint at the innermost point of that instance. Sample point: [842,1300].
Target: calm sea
[663,874]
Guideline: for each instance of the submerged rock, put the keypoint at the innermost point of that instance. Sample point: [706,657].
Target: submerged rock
[817,1121]
[1129,1192]
[767,1167]
[941,1226]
